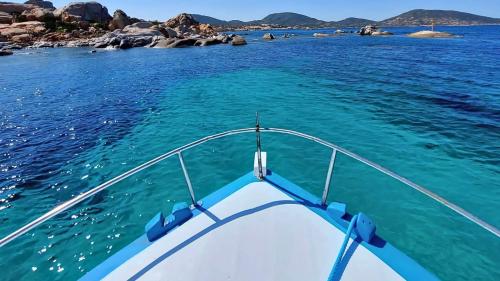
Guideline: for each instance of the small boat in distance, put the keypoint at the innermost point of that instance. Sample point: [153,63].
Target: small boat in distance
[259,227]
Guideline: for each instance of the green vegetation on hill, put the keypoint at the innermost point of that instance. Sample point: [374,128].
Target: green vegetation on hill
[353,22]
[439,17]
[291,19]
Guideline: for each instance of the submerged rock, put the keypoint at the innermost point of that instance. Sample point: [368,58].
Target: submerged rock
[431,34]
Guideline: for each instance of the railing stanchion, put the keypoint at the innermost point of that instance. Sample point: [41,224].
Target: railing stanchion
[259,154]
[188,180]
[328,177]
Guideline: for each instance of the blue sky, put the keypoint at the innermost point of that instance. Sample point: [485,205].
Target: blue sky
[321,9]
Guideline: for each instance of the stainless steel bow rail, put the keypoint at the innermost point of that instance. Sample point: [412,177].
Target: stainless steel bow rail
[178,151]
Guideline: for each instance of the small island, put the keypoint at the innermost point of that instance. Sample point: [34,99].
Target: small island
[431,34]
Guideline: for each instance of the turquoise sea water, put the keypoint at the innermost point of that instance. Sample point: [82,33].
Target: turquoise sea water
[427,109]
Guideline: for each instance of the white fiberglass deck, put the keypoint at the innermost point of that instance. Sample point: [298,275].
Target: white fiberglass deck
[257,233]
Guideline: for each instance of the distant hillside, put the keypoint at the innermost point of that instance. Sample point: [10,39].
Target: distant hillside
[209,20]
[282,19]
[353,22]
[413,17]
[291,19]
[217,22]
[440,17]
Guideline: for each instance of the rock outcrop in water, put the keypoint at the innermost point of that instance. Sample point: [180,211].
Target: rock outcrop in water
[238,41]
[268,36]
[372,30]
[37,24]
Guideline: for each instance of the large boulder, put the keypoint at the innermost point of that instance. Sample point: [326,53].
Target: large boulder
[168,32]
[181,20]
[41,4]
[205,30]
[164,43]
[141,29]
[84,11]
[38,14]
[238,41]
[14,8]
[12,31]
[119,21]
[22,32]
[32,27]
[125,44]
[180,43]
[183,24]
[54,37]
[142,24]
[22,38]
[5,18]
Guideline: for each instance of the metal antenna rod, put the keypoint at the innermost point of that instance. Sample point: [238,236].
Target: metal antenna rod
[259,157]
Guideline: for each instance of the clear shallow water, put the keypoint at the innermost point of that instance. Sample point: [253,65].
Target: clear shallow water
[427,109]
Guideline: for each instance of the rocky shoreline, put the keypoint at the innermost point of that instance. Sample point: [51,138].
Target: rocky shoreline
[38,24]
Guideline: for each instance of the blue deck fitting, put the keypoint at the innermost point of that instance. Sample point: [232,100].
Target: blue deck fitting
[158,226]
[365,227]
[336,209]
[180,214]
[154,228]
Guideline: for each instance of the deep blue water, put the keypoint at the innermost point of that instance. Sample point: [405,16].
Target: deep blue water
[428,109]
